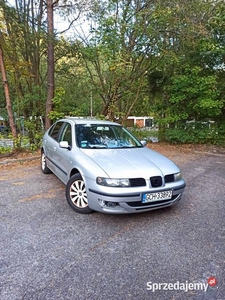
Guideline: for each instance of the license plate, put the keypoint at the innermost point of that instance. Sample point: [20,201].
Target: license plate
[157,196]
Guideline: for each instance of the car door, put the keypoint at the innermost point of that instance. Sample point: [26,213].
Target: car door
[62,155]
[51,145]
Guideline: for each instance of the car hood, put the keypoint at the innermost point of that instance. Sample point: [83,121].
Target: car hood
[132,162]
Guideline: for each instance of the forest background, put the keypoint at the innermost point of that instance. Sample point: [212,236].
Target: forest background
[113,59]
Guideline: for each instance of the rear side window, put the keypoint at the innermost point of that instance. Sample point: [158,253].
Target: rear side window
[55,130]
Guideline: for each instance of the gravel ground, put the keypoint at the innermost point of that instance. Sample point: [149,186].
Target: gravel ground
[50,252]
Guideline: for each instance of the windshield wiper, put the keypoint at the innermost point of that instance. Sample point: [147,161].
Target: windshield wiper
[122,147]
[97,146]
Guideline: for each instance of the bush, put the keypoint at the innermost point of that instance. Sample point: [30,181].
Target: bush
[5,149]
[144,133]
[196,133]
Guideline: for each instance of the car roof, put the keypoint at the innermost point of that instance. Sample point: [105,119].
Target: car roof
[77,120]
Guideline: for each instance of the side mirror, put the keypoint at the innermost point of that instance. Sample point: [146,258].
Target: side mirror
[64,145]
[144,143]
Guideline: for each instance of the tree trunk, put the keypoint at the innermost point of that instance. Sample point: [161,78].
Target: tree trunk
[51,80]
[7,96]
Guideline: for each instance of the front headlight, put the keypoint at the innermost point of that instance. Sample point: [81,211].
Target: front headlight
[177,176]
[113,182]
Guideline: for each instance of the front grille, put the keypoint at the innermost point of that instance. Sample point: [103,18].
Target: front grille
[156,181]
[169,178]
[137,182]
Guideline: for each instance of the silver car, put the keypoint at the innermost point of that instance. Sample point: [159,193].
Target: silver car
[106,169]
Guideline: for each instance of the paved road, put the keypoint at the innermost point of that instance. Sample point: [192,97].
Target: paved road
[47,251]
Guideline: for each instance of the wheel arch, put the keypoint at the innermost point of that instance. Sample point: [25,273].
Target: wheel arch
[74,171]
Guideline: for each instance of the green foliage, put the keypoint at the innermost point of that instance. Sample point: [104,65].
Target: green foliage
[153,58]
[5,150]
[58,111]
[193,95]
[219,137]
[196,133]
[189,95]
[100,117]
[34,128]
[143,133]
[119,55]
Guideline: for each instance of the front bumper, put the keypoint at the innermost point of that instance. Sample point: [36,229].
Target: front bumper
[132,202]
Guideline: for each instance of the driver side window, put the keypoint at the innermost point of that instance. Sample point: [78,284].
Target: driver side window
[66,134]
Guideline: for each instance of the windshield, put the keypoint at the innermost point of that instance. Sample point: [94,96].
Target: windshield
[104,136]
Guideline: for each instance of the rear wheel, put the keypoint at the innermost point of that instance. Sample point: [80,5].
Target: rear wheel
[76,195]
[44,167]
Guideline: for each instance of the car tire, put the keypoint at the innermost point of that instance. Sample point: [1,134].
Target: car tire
[76,195]
[44,166]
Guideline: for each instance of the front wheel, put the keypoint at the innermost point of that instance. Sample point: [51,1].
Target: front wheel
[76,194]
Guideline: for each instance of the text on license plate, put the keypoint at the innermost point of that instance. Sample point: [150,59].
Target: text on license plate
[157,196]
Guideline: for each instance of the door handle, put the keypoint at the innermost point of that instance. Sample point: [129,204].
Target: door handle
[54,148]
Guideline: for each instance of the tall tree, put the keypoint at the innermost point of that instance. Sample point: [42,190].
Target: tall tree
[25,39]
[50,64]
[67,9]
[120,53]
[6,89]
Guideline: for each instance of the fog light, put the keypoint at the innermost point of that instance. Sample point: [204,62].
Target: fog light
[101,202]
[104,203]
[111,204]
